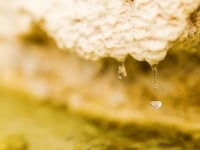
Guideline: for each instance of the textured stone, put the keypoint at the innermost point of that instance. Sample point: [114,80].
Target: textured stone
[145,29]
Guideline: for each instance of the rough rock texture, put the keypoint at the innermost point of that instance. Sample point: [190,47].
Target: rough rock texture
[145,29]
[32,61]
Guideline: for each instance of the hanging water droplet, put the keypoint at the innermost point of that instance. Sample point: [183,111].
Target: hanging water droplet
[155,104]
[155,73]
[121,71]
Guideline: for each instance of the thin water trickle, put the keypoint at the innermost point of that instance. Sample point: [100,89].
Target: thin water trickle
[121,71]
[155,74]
[155,104]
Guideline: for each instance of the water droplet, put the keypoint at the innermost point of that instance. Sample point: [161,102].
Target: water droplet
[155,104]
[121,70]
[155,74]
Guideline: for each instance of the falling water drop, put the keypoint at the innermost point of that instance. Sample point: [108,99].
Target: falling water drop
[155,73]
[121,70]
[155,104]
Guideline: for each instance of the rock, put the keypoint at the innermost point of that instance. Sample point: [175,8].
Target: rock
[144,29]
[31,61]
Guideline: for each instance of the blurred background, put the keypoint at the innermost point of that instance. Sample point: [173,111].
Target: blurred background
[55,100]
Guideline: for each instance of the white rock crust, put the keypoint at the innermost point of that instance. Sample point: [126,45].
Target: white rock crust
[114,28]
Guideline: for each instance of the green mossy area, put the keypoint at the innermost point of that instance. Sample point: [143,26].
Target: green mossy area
[28,125]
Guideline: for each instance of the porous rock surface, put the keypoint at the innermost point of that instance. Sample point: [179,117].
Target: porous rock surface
[36,65]
[94,29]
